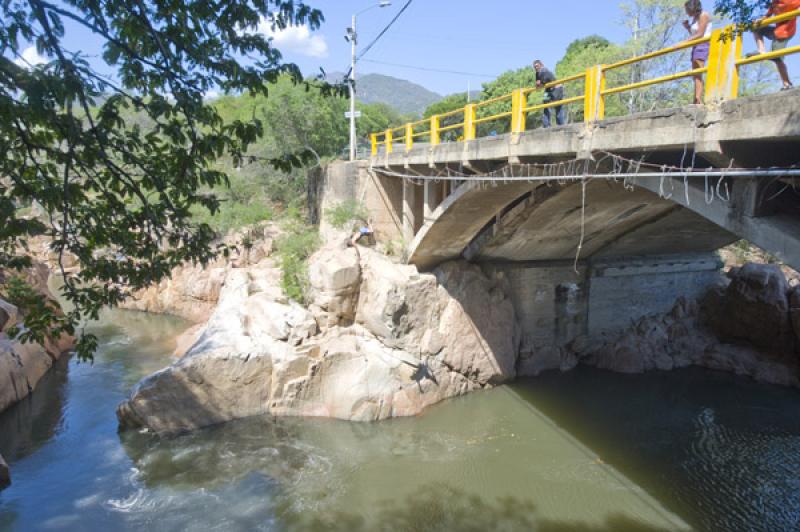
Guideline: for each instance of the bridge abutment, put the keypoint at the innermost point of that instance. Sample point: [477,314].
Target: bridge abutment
[559,305]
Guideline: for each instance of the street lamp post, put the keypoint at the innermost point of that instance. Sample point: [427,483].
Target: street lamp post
[352,36]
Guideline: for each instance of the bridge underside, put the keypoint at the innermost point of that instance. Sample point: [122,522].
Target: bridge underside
[522,221]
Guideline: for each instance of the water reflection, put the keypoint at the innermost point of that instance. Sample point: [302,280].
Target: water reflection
[721,451]
[37,418]
[586,451]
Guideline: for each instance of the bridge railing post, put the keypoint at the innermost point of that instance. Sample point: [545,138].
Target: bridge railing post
[436,137]
[374,141]
[722,78]
[409,137]
[518,115]
[470,129]
[594,102]
[388,141]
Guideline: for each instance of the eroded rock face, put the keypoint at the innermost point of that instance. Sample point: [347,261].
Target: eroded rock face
[22,365]
[755,308]
[5,475]
[192,291]
[381,340]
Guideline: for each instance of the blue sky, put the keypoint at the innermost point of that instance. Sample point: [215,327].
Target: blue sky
[485,38]
[482,39]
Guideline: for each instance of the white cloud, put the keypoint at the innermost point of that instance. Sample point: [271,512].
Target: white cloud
[30,58]
[296,39]
[211,94]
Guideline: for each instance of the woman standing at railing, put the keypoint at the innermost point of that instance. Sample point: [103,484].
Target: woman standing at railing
[698,26]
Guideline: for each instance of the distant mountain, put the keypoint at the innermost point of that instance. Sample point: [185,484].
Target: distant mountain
[402,95]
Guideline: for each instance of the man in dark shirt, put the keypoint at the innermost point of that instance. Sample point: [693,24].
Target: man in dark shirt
[551,94]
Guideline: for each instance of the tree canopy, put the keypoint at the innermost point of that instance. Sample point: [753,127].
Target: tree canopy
[116,195]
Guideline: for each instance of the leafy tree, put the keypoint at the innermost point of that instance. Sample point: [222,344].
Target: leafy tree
[582,54]
[742,12]
[505,84]
[446,104]
[120,196]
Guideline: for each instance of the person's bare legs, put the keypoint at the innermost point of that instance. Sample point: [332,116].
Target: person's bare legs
[698,81]
[783,70]
[760,42]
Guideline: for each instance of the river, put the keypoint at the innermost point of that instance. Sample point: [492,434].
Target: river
[585,451]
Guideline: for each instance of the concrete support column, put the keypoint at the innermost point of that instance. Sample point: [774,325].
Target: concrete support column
[409,211]
[433,197]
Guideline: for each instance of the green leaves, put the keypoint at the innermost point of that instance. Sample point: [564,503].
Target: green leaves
[115,165]
[742,12]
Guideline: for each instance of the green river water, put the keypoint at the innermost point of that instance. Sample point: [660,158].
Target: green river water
[585,451]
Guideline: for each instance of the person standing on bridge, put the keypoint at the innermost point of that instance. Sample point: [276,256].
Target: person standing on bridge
[779,34]
[698,26]
[551,94]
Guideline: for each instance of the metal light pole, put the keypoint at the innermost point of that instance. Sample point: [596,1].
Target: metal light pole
[352,36]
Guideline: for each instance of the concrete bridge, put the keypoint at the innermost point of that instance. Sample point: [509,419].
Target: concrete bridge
[586,255]
[501,220]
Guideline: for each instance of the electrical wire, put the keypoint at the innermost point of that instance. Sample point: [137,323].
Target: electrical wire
[378,37]
[426,69]
[384,30]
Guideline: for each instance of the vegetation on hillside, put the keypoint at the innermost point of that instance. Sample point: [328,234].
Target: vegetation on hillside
[121,197]
[653,25]
[403,96]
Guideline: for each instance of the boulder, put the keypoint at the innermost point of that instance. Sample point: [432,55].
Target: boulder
[9,315]
[755,308]
[190,292]
[187,339]
[22,365]
[457,314]
[390,342]
[5,475]
[334,276]
[225,375]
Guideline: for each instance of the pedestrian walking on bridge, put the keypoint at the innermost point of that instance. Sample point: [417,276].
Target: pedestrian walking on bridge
[698,26]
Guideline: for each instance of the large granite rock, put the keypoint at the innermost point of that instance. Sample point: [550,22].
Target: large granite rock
[755,308]
[22,365]
[192,291]
[381,340]
[5,475]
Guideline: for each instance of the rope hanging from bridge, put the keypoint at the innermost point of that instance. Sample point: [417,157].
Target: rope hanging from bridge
[610,166]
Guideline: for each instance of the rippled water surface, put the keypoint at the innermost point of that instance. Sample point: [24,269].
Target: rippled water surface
[586,451]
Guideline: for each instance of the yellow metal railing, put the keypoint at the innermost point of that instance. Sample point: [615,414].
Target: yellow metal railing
[721,83]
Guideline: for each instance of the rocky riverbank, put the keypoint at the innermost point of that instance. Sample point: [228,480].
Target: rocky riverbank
[22,365]
[379,339]
[747,325]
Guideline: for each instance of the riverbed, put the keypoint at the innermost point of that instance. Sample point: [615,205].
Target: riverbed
[588,451]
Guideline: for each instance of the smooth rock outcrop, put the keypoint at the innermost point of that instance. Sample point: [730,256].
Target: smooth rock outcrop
[381,340]
[192,291]
[5,474]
